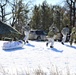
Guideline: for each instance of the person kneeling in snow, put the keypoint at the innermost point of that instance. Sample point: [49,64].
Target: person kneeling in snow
[51,36]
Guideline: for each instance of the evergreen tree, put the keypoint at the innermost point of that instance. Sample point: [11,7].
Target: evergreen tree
[46,14]
[36,18]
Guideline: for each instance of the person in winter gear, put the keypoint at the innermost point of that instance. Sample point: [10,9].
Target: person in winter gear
[26,32]
[51,36]
[73,35]
[64,32]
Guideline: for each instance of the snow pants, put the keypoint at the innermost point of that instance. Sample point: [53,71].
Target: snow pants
[26,35]
[64,38]
[51,40]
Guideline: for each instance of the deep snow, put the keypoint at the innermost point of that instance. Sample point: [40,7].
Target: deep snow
[35,54]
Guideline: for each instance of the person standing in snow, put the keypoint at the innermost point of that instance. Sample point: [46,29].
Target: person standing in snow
[51,36]
[64,32]
[73,35]
[26,32]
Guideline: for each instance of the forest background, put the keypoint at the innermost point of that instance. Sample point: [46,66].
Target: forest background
[40,16]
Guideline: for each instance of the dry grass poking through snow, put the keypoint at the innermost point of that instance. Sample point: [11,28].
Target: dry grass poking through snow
[39,71]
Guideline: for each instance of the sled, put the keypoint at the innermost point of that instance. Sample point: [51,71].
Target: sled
[13,44]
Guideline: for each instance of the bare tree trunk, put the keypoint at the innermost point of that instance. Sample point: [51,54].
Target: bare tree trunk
[74,13]
[72,5]
[2,6]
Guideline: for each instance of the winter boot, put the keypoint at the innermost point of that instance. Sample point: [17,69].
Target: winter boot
[62,43]
[46,44]
[27,42]
[51,46]
[23,41]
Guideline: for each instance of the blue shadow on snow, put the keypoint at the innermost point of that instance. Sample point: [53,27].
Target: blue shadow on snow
[56,50]
[14,49]
[29,45]
[71,46]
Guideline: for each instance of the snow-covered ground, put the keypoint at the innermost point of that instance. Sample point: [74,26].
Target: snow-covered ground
[36,55]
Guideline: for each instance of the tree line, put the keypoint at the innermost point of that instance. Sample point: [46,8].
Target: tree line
[39,16]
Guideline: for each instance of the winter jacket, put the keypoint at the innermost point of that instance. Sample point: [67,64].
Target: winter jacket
[65,31]
[52,32]
[26,28]
[73,33]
